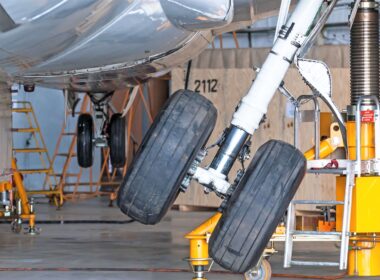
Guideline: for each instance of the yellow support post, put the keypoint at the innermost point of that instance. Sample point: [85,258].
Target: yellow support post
[27,212]
[199,237]
[367,140]
[364,253]
[327,147]
[199,258]
[20,188]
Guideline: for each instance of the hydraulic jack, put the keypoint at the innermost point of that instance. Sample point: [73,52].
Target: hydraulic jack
[16,205]
[201,263]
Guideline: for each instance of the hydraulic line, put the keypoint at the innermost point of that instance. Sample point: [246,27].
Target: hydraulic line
[365,52]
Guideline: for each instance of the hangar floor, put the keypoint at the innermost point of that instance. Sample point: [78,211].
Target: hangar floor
[102,251]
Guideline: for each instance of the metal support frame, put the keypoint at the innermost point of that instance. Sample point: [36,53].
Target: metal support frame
[350,183]
[297,122]
[343,236]
[348,170]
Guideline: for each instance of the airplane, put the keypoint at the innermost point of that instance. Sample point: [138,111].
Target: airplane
[99,46]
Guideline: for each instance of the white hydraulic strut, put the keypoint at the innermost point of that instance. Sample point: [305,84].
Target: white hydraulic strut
[282,16]
[255,104]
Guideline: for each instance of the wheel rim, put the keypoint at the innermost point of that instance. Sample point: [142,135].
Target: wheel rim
[264,272]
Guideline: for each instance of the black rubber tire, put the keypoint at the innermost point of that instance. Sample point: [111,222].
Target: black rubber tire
[117,140]
[169,148]
[84,141]
[257,206]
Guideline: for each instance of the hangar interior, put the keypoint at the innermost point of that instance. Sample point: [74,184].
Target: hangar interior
[71,181]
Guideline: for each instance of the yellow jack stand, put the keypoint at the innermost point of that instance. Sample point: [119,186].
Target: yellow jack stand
[364,254]
[200,261]
[24,209]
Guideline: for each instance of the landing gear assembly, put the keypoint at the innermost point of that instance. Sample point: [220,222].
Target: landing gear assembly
[103,132]
[174,148]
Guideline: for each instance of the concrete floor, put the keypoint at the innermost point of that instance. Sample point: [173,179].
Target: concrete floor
[112,247]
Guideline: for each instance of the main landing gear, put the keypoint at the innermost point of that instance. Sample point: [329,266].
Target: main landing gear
[103,132]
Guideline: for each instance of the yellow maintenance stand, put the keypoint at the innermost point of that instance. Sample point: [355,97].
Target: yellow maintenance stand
[363,148]
[364,253]
[363,128]
[15,205]
[201,263]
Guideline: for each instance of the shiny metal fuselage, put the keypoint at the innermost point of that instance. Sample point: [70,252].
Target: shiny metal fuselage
[89,45]
[102,45]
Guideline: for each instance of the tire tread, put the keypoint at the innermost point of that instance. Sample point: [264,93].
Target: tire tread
[257,206]
[153,181]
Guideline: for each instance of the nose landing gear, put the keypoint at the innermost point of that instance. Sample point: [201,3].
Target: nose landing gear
[255,203]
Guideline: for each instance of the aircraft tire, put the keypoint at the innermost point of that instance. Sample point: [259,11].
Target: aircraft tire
[84,141]
[177,134]
[256,206]
[117,140]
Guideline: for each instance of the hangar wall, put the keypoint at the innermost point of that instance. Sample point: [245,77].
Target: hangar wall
[5,136]
[224,76]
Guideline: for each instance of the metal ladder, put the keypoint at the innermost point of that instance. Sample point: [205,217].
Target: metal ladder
[38,147]
[65,177]
[291,233]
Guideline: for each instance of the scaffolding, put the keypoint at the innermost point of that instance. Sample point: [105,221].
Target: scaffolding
[36,146]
